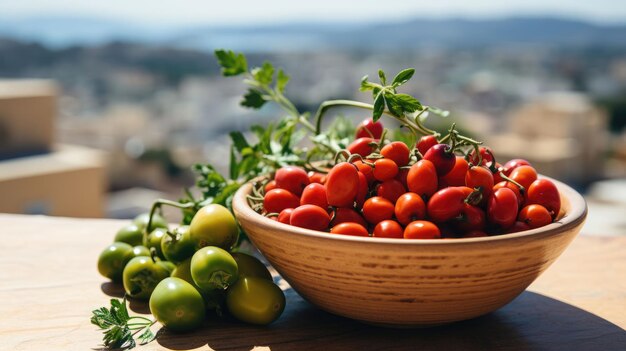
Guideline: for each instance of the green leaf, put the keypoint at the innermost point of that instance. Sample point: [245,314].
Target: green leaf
[147,336]
[239,141]
[281,81]
[366,85]
[232,64]
[264,74]
[234,166]
[379,107]
[393,105]
[383,78]
[408,103]
[253,99]
[403,77]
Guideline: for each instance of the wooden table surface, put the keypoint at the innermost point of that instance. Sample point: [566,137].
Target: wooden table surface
[50,285]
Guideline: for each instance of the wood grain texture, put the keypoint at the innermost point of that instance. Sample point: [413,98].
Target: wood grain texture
[410,282]
[50,285]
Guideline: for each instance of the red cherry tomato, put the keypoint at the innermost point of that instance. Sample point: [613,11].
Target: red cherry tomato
[277,200]
[314,194]
[285,215]
[350,228]
[410,207]
[361,146]
[377,209]
[480,177]
[515,188]
[270,185]
[388,229]
[422,230]
[390,189]
[516,227]
[344,214]
[342,185]
[497,178]
[317,177]
[425,143]
[367,170]
[486,155]
[292,178]
[446,204]
[456,177]
[524,175]
[472,218]
[543,192]
[369,129]
[535,216]
[512,164]
[502,208]
[385,169]
[475,234]
[363,190]
[422,178]
[442,158]
[398,152]
[310,217]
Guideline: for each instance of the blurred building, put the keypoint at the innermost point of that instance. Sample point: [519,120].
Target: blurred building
[562,134]
[38,176]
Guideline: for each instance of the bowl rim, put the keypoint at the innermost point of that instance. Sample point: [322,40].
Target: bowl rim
[572,218]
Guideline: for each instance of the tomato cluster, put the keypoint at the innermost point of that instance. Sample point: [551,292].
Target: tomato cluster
[189,272]
[429,191]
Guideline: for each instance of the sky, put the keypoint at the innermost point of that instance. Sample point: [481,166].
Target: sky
[238,12]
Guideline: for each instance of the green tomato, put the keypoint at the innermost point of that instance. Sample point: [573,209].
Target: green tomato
[157,221]
[255,300]
[250,266]
[154,241]
[140,250]
[214,225]
[177,305]
[213,299]
[213,268]
[178,246]
[131,234]
[112,260]
[141,275]
[169,266]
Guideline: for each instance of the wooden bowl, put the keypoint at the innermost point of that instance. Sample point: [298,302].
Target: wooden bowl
[400,282]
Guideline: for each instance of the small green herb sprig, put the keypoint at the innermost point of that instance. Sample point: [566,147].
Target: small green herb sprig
[119,328]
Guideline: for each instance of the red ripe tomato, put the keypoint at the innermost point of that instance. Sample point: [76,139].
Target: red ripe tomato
[270,185]
[369,129]
[480,177]
[361,146]
[391,190]
[535,216]
[472,218]
[425,143]
[442,158]
[398,152]
[512,164]
[314,194]
[515,188]
[543,192]
[516,227]
[475,234]
[402,175]
[385,169]
[524,175]
[277,200]
[342,185]
[497,178]
[410,207]
[446,204]
[422,230]
[388,229]
[367,170]
[422,178]
[502,208]
[344,215]
[317,177]
[377,209]
[485,153]
[285,215]
[310,217]
[456,177]
[350,228]
[292,178]
[363,189]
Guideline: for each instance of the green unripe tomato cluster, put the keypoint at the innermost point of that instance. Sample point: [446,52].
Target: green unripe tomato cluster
[188,272]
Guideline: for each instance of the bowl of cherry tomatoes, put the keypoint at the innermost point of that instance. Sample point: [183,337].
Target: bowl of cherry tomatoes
[419,236]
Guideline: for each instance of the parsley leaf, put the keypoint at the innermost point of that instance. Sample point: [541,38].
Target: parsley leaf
[232,64]
[253,99]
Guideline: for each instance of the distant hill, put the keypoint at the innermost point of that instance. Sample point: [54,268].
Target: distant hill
[417,33]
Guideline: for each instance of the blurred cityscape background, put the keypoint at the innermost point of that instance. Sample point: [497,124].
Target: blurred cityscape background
[105,109]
